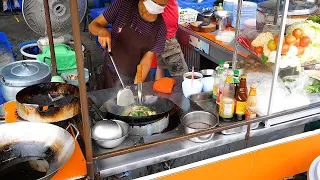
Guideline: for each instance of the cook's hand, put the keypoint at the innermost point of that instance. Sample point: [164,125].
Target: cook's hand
[104,39]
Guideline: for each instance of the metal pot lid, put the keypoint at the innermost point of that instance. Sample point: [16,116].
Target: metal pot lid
[24,73]
[295,7]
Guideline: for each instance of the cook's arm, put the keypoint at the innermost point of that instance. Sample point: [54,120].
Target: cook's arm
[97,28]
[146,64]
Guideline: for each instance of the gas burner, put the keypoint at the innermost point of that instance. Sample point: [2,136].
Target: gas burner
[150,129]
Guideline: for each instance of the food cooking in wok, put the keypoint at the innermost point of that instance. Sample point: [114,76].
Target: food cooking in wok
[137,111]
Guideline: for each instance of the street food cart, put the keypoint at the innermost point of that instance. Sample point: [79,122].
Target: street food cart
[164,138]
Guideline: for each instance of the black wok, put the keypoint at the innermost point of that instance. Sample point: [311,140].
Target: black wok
[161,106]
[33,150]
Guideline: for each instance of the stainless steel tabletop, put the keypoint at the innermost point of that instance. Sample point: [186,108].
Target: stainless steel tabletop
[118,164]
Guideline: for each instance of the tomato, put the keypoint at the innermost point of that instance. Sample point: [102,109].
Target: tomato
[272,45]
[300,50]
[276,39]
[258,50]
[290,39]
[297,33]
[285,49]
[297,42]
[305,41]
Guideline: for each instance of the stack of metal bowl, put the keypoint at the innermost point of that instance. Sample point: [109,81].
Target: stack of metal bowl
[106,139]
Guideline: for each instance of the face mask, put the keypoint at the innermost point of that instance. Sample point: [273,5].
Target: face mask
[152,7]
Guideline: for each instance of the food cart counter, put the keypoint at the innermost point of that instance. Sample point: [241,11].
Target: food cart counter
[196,44]
[219,144]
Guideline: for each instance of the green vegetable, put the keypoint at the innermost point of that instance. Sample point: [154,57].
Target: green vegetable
[315,18]
[314,87]
[264,58]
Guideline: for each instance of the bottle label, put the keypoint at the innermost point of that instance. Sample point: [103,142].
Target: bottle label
[241,107]
[226,110]
[250,115]
[219,96]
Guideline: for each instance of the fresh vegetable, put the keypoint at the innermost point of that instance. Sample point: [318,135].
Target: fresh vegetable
[309,28]
[258,50]
[314,87]
[272,56]
[315,18]
[285,49]
[297,33]
[305,41]
[297,42]
[264,58]
[266,50]
[290,40]
[293,51]
[272,45]
[276,39]
[300,50]
[262,39]
[137,111]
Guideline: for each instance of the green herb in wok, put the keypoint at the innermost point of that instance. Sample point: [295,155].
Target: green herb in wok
[137,111]
[314,87]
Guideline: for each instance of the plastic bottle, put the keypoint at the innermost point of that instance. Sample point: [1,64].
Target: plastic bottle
[251,110]
[221,63]
[220,7]
[217,79]
[226,109]
[241,99]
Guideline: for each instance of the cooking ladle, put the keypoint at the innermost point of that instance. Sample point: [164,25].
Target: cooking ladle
[112,128]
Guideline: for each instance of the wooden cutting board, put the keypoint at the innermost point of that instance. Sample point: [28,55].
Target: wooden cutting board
[195,26]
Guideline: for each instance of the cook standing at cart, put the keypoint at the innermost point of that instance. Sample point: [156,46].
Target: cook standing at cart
[138,33]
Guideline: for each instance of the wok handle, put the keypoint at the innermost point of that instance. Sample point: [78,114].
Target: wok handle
[74,127]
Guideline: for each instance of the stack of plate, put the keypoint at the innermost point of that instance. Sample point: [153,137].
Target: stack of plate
[249,10]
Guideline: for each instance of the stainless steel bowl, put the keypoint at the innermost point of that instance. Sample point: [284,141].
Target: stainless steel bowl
[107,130]
[197,121]
[114,142]
[208,72]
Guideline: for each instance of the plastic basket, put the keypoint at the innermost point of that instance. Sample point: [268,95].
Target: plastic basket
[187,15]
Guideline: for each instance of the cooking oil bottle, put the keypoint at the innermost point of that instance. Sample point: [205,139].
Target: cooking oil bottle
[226,108]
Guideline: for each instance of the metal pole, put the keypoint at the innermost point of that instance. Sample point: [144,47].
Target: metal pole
[50,37]
[278,57]
[276,14]
[82,86]
[235,50]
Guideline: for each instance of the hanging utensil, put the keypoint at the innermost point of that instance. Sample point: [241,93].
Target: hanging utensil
[125,95]
[139,80]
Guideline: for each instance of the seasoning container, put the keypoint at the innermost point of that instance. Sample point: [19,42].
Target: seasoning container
[226,108]
[241,99]
[251,110]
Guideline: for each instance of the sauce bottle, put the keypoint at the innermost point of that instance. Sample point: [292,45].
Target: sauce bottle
[220,7]
[241,99]
[226,108]
[251,110]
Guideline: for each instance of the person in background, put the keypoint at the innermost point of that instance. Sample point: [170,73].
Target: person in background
[138,32]
[172,57]
[5,5]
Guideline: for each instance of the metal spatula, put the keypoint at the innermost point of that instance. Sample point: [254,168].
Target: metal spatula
[139,80]
[125,95]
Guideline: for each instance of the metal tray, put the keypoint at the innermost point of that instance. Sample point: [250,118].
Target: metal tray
[207,103]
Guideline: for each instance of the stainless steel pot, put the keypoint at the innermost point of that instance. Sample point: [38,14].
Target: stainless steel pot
[197,121]
[20,74]
[112,143]
[44,147]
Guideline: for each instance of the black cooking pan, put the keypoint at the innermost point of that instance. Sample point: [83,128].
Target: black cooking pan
[31,150]
[161,106]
